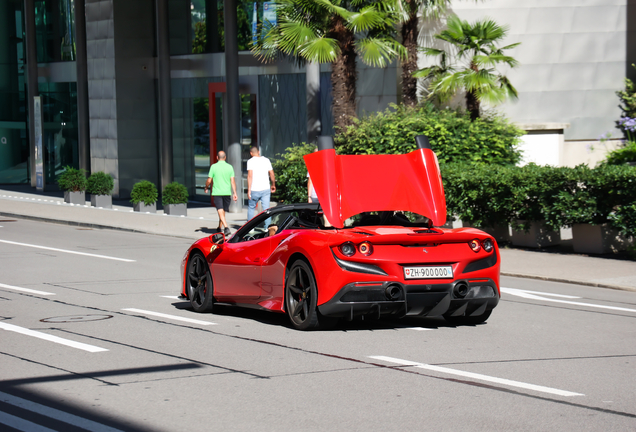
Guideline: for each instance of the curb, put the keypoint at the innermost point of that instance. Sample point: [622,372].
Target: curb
[86,225]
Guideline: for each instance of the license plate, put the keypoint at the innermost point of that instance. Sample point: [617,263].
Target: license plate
[428,272]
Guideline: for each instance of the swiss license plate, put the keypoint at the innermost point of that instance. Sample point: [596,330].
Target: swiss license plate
[428,272]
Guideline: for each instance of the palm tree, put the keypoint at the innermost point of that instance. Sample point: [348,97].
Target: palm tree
[477,55]
[410,11]
[336,32]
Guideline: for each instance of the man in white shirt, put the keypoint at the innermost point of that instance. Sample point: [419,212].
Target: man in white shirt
[259,174]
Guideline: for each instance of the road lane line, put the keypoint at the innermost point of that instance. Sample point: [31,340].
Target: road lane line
[171,297]
[66,251]
[51,338]
[514,291]
[55,414]
[173,317]
[476,376]
[21,424]
[417,328]
[527,295]
[27,290]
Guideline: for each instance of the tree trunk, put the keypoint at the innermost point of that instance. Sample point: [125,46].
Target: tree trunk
[343,76]
[472,105]
[409,40]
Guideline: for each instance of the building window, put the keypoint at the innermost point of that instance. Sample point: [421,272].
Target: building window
[55,30]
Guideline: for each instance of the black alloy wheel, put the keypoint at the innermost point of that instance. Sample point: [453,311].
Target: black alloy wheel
[468,320]
[200,290]
[301,296]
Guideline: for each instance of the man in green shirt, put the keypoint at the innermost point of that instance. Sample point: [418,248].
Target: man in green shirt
[221,177]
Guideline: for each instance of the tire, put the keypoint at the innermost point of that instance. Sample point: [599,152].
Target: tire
[301,297]
[468,320]
[200,288]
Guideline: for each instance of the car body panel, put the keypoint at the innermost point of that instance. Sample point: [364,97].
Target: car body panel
[351,184]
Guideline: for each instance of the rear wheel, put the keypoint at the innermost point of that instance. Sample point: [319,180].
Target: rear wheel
[200,290]
[301,296]
[468,320]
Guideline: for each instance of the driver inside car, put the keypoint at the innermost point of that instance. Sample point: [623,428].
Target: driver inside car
[271,230]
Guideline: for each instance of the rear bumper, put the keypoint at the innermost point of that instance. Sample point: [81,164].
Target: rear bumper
[376,299]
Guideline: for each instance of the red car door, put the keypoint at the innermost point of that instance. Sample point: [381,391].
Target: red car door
[237,270]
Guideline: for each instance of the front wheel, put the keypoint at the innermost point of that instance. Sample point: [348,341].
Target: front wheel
[200,291]
[301,296]
[468,320]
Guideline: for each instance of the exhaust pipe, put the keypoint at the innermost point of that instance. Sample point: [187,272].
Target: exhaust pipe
[393,292]
[460,290]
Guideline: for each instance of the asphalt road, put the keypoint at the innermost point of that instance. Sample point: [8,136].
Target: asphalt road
[93,337]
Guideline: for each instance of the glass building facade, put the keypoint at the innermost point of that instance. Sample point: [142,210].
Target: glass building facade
[123,90]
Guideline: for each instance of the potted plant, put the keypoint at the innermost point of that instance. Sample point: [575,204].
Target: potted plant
[100,186]
[73,182]
[144,197]
[175,199]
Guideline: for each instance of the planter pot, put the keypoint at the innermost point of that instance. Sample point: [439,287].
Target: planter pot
[538,236]
[500,233]
[143,208]
[176,209]
[103,201]
[75,197]
[597,239]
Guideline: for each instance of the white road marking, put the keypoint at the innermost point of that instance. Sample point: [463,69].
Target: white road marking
[21,424]
[67,251]
[417,328]
[520,292]
[54,414]
[31,291]
[171,297]
[478,377]
[529,295]
[51,338]
[173,317]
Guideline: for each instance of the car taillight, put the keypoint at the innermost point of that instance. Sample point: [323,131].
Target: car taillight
[488,245]
[475,245]
[347,249]
[365,248]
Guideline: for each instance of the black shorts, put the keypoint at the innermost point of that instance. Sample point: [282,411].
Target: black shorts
[222,202]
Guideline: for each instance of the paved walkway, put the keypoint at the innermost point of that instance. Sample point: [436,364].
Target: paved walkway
[555,265]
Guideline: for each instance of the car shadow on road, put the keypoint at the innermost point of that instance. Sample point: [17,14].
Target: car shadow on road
[358,324]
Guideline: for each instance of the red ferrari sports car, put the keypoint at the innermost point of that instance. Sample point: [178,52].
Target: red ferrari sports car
[372,247]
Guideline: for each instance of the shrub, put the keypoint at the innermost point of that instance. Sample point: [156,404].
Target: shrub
[628,103]
[174,193]
[100,183]
[453,136]
[490,195]
[144,191]
[291,174]
[622,155]
[72,180]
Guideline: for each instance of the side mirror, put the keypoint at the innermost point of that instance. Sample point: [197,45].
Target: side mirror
[218,238]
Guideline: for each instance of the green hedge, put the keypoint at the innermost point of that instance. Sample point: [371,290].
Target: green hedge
[495,195]
[291,174]
[453,136]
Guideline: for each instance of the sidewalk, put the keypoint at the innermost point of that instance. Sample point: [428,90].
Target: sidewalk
[202,220]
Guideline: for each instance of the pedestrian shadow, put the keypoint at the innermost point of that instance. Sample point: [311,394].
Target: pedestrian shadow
[206,230]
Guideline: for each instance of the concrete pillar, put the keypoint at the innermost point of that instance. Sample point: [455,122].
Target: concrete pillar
[165,94]
[81,64]
[232,107]
[312,73]
[31,59]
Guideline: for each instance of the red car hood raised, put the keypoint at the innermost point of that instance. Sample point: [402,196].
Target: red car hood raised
[347,185]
